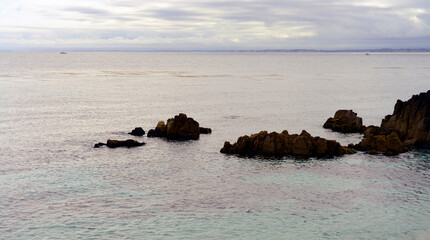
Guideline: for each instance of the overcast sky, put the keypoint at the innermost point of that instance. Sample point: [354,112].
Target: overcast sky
[214,25]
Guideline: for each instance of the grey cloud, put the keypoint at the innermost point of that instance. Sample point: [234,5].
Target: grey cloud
[175,14]
[335,23]
[86,10]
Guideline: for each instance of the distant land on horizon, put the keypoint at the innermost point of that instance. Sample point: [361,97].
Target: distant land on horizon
[345,50]
[370,50]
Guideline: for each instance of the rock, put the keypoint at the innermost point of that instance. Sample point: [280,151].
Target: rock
[127,143]
[345,121]
[284,144]
[411,120]
[159,131]
[376,131]
[377,141]
[205,130]
[116,143]
[180,127]
[98,145]
[137,132]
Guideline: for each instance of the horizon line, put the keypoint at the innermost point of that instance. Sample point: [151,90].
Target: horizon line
[298,50]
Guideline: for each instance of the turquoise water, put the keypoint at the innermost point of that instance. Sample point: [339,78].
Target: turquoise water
[54,185]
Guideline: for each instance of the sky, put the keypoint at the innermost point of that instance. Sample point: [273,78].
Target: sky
[213,25]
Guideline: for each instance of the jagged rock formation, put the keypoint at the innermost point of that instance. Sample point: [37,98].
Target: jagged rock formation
[380,140]
[411,120]
[137,132]
[284,144]
[117,143]
[178,128]
[345,121]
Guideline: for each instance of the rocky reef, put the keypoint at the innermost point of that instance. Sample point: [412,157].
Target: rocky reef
[284,144]
[180,127]
[137,132]
[408,126]
[411,120]
[117,143]
[345,121]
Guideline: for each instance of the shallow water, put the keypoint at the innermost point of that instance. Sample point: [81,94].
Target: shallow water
[53,108]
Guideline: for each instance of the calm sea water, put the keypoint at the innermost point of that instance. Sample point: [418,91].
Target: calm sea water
[54,185]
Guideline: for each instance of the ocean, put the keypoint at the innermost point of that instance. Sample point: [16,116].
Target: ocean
[55,185]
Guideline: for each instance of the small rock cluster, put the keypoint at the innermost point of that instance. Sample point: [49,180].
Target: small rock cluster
[345,121]
[377,140]
[180,127]
[284,144]
[409,125]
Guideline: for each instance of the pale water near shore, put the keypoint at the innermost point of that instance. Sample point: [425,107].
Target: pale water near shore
[54,185]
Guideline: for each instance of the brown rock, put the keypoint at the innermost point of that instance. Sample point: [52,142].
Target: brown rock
[284,144]
[117,143]
[137,132]
[345,121]
[159,131]
[320,146]
[386,144]
[180,127]
[302,146]
[411,120]
[205,130]
[394,144]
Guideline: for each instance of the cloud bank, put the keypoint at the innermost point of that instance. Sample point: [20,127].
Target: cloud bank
[214,25]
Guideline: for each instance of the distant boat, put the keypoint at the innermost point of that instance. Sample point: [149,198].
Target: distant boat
[63,53]
[367,54]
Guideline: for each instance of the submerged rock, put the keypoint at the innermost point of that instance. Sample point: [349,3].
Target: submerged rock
[345,121]
[284,144]
[117,143]
[180,127]
[411,120]
[137,132]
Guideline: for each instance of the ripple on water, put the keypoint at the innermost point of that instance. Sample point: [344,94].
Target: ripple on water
[55,185]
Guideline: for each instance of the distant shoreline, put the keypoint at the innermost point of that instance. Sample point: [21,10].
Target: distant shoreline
[377,50]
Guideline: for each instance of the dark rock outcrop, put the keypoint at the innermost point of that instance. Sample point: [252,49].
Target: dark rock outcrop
[284,144]
[378,140]
[180,127]
[409,125]
[117,143]
[137,132]
[205,130]
[97,145]
[411,120]
[345,121]
[159,131]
